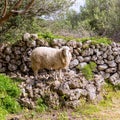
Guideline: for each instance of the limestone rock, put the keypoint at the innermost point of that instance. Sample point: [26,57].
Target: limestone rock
[74,63]
[102,67]
[115,79]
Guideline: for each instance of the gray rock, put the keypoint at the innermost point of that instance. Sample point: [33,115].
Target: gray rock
[75,83]
[76,52]
[102,67]
[99,81]
[94,58]
[8,50]
[52,100]
[110,57]
[115,79]
[75,94]
[79,44]
[87,59]
[111,70]
[64,89]
[72,43]
[100,62]
[104,55]
[72,104]
[111,63]
[91,91]
[12,67]
[83,64]
[116,53]
[119,67]
[80,58]
[58,42]
[74,63]
[117,59]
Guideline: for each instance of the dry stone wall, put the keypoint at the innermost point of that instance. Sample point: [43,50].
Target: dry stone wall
[15,61]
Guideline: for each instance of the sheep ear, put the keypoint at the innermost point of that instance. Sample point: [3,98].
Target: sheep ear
[64,52]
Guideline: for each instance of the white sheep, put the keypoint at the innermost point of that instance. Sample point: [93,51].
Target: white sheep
[51,59]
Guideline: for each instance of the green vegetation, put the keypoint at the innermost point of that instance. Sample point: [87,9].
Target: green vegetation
[3,113]
[97,40]
[88,70]
[41,106]
[9,92]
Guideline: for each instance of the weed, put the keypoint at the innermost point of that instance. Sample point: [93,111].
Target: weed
[88,69]
[63,116]
[41,107]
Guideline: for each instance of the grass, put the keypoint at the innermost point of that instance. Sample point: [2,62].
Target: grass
[48,36]
[9,92]
[96,40]
[63,116]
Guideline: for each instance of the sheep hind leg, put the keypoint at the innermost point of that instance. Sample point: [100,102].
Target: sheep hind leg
[60,74]
[36,74]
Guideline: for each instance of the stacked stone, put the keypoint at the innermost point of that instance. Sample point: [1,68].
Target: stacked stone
[15,61]
[56,94]
[16,57]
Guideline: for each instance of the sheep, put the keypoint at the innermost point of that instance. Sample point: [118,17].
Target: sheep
[51,59]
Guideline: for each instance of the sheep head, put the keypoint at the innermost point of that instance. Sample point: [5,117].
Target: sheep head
[66,55]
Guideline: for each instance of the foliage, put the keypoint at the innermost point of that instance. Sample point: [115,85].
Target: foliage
[30,22]
[101,16]
[41,107]
[88,69]
[9,92]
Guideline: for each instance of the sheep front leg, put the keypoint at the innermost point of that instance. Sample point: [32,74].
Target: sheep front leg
[36,74]
[60,74]
[57,74]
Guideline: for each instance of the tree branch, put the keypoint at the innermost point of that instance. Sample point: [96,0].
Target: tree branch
[25,10]
[7,16]
[5,8]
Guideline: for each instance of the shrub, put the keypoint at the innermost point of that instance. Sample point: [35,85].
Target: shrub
[8,86]
[9,92]
[10,104]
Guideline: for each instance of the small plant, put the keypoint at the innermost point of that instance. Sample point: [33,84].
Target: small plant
[88,70]
[41,107]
